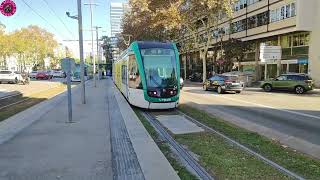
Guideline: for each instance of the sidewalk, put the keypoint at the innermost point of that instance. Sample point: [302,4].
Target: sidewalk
[107,141]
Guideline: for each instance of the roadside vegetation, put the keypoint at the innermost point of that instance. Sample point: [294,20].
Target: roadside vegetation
[226,161]
[31,100]
[183,173]
[294,161]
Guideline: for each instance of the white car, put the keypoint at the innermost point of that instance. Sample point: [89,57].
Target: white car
[12,77]
[58,74]
[33,74]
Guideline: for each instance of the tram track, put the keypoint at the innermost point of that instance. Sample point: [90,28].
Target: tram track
[244,148]
[192,163]
[14,99]
[181,152]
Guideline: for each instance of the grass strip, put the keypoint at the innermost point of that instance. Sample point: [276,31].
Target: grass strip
[30,101]
[183,173]
[297,162]
[226,161]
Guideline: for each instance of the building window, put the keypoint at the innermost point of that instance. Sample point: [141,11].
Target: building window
[283,12]
[250,2]
[241,4]
[239,26]
[258,20]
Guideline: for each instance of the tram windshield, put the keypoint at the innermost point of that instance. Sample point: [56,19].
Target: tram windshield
[160,67]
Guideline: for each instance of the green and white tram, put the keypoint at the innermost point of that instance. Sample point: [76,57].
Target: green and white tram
[148,75]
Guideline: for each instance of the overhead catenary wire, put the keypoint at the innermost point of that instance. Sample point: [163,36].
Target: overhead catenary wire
[44,19]
[54,12]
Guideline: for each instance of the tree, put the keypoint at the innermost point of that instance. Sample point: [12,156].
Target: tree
[107,48]
[235,50]
[141,23]
[197,18]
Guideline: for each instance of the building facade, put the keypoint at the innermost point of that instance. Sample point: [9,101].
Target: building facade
[291,24]
[117,11]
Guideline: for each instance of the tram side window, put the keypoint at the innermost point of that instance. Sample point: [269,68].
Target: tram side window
[134,75]
[124,74]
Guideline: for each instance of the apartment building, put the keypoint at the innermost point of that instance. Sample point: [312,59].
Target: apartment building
[292,24]
[117,11]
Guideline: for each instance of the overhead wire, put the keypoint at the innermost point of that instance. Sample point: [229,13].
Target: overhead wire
[54,12]
[44,19]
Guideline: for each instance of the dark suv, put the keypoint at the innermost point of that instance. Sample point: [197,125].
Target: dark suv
[299,83]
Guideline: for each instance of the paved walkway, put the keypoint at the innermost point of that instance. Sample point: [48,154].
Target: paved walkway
[107,141]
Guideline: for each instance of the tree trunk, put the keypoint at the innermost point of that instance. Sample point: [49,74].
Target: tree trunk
[239,66]
[203,55]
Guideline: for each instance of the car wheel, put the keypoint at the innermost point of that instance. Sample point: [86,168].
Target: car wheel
[205,87]
[299,90]
[220,90]
[238,92]
[267,88]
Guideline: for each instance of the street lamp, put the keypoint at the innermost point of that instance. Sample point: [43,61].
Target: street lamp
[79,18]
[92,51]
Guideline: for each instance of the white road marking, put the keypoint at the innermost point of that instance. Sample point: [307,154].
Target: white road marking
[270,107]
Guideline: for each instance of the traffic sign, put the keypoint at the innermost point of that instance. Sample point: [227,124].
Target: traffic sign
[270,53]
[8,8]
[65,65]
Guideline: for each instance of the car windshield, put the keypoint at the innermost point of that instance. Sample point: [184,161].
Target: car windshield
[160,67]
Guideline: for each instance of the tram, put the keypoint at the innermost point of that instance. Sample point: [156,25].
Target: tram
[148,75]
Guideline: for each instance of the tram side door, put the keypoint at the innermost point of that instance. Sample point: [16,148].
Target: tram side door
[125,80]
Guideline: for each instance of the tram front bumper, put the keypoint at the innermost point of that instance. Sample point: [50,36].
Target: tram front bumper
[169,105]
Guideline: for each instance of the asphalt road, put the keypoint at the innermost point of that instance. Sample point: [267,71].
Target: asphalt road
[292,119]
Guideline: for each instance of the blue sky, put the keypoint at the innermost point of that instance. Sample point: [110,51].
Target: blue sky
[25,16]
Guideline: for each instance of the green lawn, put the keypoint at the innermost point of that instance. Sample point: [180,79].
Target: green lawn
[288,158]
[226,161]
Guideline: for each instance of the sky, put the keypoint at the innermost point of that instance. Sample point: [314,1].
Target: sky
[52,10]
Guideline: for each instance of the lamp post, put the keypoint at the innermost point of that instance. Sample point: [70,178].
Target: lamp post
[79,18]
[92,46]
[98,52]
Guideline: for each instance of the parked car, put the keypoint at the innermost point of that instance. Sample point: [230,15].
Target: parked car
[50,73]
[33,74]
[299,83]
[13,77]
[58,74]
[196,77]
[223,83]
[181,83]
[42,75]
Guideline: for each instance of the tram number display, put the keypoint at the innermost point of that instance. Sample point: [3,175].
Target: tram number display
[165,100]
[8,8]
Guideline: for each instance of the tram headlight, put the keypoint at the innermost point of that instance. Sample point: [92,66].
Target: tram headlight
[153,93]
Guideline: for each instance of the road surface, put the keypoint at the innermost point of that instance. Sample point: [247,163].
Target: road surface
[292,119]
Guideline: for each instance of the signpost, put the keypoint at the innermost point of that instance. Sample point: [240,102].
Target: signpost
[67,65]
[268,53]
[8,8]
